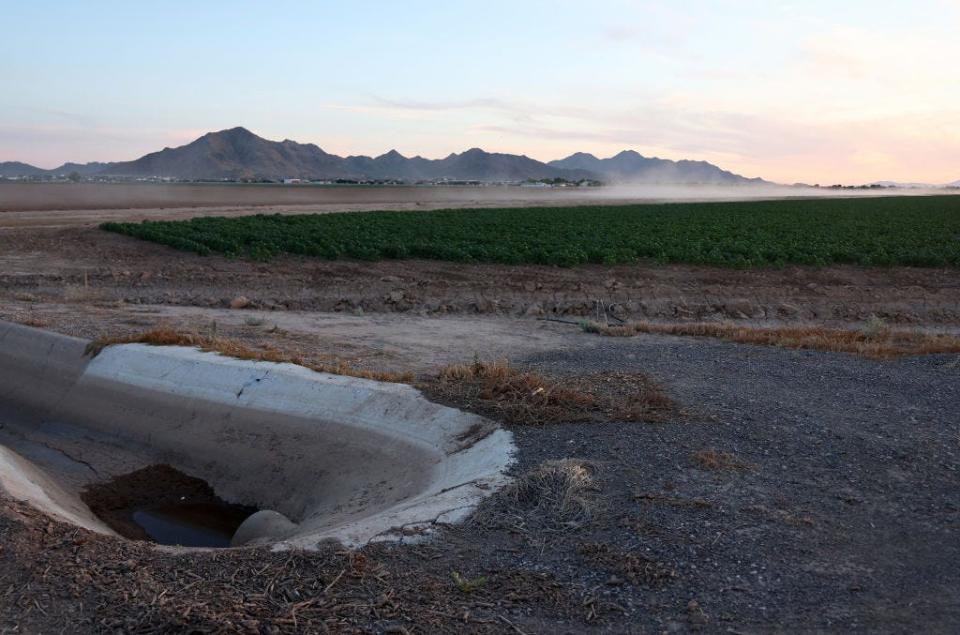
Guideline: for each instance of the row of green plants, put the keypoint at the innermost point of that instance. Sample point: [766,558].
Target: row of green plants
[917,231]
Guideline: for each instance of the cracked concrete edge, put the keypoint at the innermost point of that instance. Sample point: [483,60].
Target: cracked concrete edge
[292,390]
[442,504]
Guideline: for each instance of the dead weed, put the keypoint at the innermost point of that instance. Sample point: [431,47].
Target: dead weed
[718,461]
[876,342]
[503,392]
[563,492]
[628,566]
[672,501]
[165,336]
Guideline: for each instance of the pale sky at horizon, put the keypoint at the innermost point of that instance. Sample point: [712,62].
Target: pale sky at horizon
[810,90]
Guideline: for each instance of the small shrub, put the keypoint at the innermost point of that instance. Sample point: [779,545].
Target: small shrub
[560,494]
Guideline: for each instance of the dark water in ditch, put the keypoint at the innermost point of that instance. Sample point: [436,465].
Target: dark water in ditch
[192,524]
[162,504]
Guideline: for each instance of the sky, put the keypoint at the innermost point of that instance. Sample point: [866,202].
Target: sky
[809,91]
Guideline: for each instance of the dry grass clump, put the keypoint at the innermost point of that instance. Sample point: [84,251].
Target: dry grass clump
[718,461]
[560,493]
[32,320]
[659,498]
[501,391]
[632,566]
[165,336]
[79,294]
[628,396]
[522,395]
[783,516]
[876,342]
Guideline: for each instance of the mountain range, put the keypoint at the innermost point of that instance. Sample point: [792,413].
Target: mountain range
[237,153]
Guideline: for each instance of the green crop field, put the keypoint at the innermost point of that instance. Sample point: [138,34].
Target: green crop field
[918,231]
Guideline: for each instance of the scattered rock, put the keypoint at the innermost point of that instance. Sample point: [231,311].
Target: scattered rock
[742,310]
[485,305]
[696,615]
[535,309]
[240,302]
[788,310]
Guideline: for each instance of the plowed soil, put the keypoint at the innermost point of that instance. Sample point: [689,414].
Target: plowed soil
[84,265]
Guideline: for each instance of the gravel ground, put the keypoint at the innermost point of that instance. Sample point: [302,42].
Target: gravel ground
[833,507]
[844,514]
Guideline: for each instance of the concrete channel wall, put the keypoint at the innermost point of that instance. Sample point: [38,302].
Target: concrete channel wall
[333,456]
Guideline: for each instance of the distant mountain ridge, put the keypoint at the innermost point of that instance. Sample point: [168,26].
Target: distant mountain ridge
[630,166]
[238,153]
[17,168]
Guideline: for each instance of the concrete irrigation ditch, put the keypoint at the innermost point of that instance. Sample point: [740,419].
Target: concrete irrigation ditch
[322,456]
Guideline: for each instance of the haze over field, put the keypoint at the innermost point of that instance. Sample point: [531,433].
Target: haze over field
[811,92]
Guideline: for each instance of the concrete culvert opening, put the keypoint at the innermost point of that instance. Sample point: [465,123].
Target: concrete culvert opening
[290,456]
[161,504]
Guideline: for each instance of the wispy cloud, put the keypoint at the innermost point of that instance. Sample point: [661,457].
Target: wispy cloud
[780,148]
[491,103]
[517,111]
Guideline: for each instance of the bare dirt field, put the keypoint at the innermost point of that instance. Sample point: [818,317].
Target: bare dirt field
[80,266]
[790,491]
[59,204]
[19,197]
